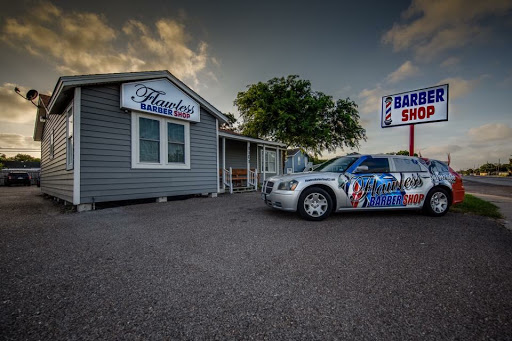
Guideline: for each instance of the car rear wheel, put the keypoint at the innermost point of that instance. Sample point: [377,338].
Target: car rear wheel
[437,202]
[315,204]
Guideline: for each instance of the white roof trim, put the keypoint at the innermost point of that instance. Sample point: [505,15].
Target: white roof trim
[249,139]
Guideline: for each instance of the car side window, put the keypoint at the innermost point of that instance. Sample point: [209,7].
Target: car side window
[407,165]
[376,165]
[439,167]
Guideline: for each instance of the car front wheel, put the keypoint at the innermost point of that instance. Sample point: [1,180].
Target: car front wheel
[437,202]
[315,204]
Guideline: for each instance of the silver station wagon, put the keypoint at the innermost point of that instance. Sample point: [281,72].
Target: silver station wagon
[366,182]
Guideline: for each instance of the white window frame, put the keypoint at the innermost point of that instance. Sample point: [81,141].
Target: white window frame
[267,169]
[51,145]
[298,159]
[70,140]
[163,164]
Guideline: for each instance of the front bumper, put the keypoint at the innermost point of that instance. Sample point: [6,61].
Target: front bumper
[282,200]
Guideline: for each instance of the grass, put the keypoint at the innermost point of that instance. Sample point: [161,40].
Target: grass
[474,205]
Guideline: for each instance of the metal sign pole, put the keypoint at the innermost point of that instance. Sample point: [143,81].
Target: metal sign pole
[411,140]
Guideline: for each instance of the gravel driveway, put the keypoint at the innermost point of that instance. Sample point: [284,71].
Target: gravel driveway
[231,268]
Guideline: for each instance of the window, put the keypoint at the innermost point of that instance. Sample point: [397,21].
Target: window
[176,143]
[437,167]
[376,165]
[69,138]
[270,161]
[160,142]
[337,165]
[407,165]
[298,160]
[149,140]
[52,144]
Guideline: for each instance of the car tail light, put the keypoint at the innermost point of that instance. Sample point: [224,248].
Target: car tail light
[29,177]
[9,177]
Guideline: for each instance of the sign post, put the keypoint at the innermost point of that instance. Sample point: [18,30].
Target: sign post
[415,107]
[411,140]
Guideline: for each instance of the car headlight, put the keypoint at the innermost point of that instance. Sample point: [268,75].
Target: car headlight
[288,185]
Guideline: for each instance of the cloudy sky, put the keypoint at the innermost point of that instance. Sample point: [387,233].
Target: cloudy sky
[358,49]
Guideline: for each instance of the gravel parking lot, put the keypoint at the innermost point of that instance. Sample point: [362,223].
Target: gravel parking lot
[231,268]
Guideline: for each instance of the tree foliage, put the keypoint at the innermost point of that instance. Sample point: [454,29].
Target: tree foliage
[289,111]
[19,157]
[231,122]
[402,152]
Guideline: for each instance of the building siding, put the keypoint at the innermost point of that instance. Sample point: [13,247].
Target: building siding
[297,167]
[236,154]
[106,173]
[55,179]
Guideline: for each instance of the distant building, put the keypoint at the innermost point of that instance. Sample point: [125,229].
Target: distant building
[296,161]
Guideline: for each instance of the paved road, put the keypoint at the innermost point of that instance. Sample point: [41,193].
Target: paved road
[230,268]
[493,189]
[490,180]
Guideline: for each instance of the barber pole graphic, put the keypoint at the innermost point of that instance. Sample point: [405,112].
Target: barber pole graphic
[357,193]
[387,120]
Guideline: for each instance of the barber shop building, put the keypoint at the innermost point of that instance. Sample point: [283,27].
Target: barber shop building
[126,136]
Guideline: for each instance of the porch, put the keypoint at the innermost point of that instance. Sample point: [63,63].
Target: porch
[245,162]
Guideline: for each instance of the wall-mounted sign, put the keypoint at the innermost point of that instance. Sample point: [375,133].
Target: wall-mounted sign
[414,107]
[159,97]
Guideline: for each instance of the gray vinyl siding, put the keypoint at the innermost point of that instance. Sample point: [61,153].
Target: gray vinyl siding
[236,154]
[297,167]
[55,179]
[105,147]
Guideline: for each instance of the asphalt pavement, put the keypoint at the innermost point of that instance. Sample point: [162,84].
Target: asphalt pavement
[229,268]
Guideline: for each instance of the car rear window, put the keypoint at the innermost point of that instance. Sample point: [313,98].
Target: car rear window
[407,165]
[376,165]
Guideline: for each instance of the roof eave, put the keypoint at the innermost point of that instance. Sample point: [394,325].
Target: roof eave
[68,82]
[250,139]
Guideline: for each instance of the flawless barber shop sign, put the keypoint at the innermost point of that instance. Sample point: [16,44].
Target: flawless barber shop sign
[159,97]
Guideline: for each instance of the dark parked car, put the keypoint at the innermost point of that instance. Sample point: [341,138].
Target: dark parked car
[22,178]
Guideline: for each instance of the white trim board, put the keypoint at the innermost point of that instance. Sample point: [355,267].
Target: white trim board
[77,101]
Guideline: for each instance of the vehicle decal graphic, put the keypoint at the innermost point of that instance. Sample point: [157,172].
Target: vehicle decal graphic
[382,190]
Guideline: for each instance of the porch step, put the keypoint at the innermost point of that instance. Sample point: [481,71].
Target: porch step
[243,189]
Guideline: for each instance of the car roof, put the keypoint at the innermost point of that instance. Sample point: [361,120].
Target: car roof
[382,155]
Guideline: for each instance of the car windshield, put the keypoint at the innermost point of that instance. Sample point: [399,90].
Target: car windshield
[338,165]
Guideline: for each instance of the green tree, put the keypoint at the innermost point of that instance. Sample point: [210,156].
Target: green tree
[25,158]
[231,122]
[3,157]
[402,152]
[289,111]
[1,166]
[487,168]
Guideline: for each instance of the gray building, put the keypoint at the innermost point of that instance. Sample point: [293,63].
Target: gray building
[296,161]
[124,136]
[246,162]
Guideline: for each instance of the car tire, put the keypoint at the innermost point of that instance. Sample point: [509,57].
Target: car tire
[437,202]
[314,204]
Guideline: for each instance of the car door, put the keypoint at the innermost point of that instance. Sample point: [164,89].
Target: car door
[415,181]
[373,184]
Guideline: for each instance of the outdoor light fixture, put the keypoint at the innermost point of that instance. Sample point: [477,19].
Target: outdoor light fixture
[31,96]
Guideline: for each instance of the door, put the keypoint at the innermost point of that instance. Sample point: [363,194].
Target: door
[373,185]
[415,181]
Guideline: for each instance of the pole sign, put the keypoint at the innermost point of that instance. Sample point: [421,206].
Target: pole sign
[159,97]
[415,107]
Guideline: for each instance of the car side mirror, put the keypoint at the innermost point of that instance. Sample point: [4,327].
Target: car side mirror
[361,169]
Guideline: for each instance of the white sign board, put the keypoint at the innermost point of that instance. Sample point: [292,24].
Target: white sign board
[415,107]
[159,97]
